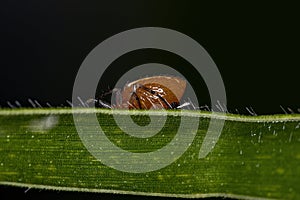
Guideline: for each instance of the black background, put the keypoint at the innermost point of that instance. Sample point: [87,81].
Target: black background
[43,43]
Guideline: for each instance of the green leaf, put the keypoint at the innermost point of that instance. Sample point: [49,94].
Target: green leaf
[255,156]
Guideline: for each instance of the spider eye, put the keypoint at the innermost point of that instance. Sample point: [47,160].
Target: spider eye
[152,91]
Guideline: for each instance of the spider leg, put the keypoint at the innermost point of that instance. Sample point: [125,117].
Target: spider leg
[102,104]
[165,101]
[138,100]
[98,103]
[184,105]
[153,104]
[130,104]
[118,97]
[91,101]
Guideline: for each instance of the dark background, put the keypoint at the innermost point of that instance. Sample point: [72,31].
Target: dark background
[43,43]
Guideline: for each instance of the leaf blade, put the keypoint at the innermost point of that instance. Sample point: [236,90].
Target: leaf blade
[249,160]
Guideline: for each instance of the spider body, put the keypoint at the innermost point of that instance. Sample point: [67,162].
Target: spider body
[156,92]
[152,95]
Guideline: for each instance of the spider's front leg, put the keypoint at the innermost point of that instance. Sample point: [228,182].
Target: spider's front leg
[117,96]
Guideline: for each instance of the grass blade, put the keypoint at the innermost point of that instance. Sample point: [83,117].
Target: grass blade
[255,157]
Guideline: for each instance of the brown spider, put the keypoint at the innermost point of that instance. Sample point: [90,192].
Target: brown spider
[156,92]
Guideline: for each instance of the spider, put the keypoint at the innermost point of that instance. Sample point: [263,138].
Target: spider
[156,92]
